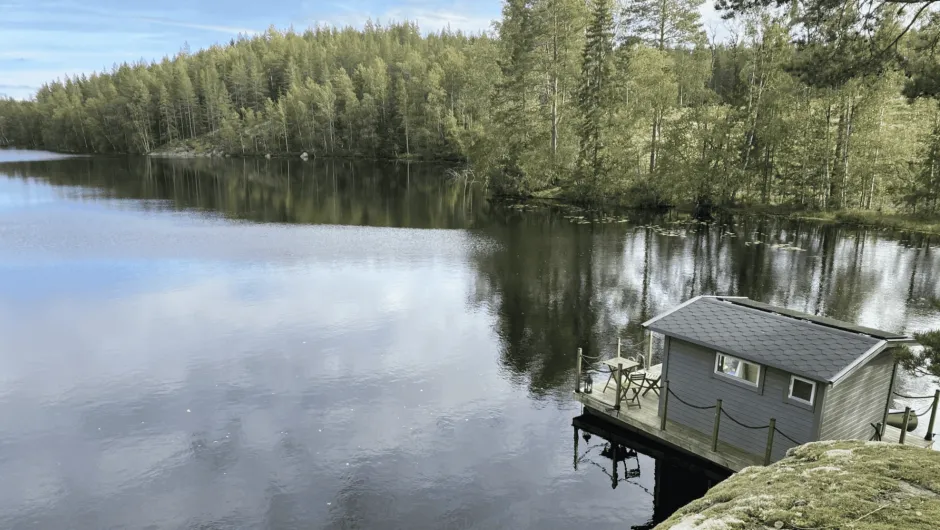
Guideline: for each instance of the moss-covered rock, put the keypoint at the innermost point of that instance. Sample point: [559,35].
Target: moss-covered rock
[825,485]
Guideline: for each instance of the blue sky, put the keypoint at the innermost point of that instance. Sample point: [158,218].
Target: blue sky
[41,40]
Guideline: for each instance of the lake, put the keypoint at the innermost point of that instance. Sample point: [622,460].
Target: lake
[228,343]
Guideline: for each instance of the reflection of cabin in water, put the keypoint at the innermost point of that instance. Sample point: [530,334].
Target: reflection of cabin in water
[744,381]
[672,481]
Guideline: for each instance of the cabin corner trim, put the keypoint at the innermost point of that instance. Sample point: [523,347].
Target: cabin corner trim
[862,360]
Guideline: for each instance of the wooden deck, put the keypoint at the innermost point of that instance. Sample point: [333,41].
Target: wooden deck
[893,434]
[645,421]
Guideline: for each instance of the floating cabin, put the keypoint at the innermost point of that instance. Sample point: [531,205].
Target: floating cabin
[810,377]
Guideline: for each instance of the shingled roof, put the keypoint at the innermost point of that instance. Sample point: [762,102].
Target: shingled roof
[820,349]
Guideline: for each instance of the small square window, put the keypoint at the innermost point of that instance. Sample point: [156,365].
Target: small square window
[737,369]
[802,390]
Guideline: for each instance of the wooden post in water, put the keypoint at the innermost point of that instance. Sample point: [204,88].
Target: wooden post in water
[770,441]
[577,374]
[907,418]
[619,390]
[616,457]
[717,424]
[933,416]
[662,421]
[575,448]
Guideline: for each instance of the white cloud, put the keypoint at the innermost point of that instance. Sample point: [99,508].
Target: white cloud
[425,14]
[234,30]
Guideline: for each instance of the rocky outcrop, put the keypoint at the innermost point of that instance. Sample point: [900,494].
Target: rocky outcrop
[825,486]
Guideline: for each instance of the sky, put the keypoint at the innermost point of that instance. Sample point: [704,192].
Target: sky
[42,40]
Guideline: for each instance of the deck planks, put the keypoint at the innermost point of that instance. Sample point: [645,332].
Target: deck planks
[645,420]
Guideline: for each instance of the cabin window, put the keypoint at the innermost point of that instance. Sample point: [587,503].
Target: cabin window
[802,390]
[738,369]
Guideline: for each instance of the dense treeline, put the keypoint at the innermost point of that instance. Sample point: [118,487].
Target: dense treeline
[381,92]
[650,111]
[601,100]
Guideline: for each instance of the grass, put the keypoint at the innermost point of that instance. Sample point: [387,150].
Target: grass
[825,485]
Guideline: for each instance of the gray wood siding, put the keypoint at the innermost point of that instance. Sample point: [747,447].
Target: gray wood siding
[691,376]
[858,401]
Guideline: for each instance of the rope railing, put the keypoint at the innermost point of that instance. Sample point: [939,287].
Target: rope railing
[686,403]
[781,433]
[771,427]
[912,397]
[740,423]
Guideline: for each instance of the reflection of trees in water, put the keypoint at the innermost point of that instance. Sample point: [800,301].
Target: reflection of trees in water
[283,191]
[552,285]
[555,286]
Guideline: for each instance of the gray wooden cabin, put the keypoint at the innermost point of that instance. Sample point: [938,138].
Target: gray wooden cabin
[820,378]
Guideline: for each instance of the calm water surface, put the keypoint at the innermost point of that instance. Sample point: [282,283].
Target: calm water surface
[273,344]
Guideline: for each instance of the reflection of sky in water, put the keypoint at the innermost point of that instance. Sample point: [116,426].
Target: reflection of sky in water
[174,368]
[19,193]
[166,369]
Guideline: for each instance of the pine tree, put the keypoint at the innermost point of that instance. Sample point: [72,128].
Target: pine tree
[560,35]
[664,24]
[594,96]
[513,100]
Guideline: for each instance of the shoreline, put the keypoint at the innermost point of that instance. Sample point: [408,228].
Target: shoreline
[558,197]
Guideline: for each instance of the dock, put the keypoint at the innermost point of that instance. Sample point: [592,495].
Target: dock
[645,421]
[739,382]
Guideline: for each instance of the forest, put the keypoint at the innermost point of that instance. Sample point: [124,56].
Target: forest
[811,105]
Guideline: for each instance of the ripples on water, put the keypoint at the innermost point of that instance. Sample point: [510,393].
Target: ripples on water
[252,343]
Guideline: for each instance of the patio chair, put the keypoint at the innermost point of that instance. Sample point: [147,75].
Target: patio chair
[635,383]
[654,376]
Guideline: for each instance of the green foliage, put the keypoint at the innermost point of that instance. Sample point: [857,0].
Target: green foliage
[664,23]
[382,92]
[927,360]
[801,109]
[595,97]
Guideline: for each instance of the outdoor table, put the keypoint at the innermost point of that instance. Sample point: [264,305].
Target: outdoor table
[628,366]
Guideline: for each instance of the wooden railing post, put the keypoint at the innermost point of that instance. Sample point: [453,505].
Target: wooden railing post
[618,346]
[662,421]
[619,390]
[907,418]
[770,441]
[717,424]
[933,416]
[887,409]
[577,374]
